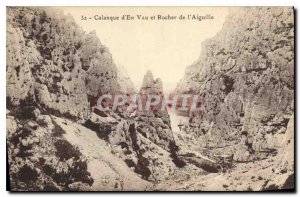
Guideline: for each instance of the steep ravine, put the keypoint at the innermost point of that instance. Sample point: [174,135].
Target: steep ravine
[59,141]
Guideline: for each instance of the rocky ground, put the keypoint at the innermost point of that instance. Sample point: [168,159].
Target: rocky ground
[241,139]
[273,173]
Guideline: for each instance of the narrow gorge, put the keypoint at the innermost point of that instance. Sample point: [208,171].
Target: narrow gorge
[241,137]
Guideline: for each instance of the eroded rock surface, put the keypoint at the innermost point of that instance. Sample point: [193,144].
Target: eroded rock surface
[245,80]
[52,62]
[58,140]
[142,138]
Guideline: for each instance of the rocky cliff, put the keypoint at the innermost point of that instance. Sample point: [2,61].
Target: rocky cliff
[55,72]
[245,80]
[53,69]
[51,61]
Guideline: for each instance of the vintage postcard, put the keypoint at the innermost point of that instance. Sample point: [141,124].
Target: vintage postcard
[150,98]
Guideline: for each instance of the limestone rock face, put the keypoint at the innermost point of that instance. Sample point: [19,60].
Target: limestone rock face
[51,61]
[101,70]
[245,80]
[283,176]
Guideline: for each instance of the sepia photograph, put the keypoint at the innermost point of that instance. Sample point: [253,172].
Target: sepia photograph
[190,99]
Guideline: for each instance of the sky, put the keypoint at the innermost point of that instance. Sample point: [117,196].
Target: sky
[166,47]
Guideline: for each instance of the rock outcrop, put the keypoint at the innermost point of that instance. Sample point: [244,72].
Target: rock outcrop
[155,122]
[151,85]
[245,80]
